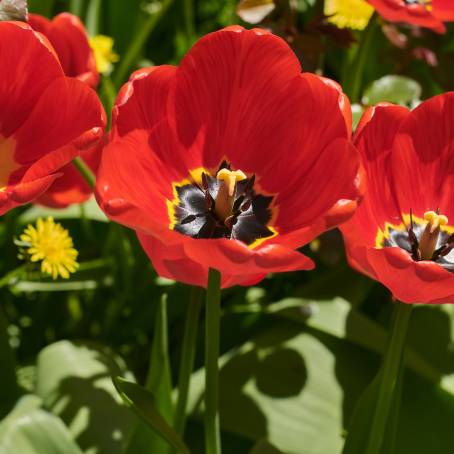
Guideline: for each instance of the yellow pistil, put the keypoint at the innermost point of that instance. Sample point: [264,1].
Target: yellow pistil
[104,54]
[226,193]
[429,238]
[50,244]
[353,14]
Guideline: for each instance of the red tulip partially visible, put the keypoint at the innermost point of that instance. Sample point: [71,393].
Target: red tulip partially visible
[69,38]
[403,233]
[45,118]
[230,161]
[430,14]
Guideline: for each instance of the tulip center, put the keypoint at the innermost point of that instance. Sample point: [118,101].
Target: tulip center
[426,238]
[221,204]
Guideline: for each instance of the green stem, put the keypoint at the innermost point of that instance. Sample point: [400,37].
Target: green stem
[76,7]
[354,78]
[212,328]
[92,18]
[109,95]
[189,19]
[9,390]
[138,42]
[187,357]
[85,171]
[389,375]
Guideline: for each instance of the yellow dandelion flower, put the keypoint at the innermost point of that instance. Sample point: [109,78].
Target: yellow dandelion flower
[353,14]
[104,54]
[50,244]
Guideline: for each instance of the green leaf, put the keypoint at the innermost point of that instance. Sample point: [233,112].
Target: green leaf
[264,447]
[396,89]
[296,381]
[159,383]
[90,209]
[143,403]
[30,430]
[74,381]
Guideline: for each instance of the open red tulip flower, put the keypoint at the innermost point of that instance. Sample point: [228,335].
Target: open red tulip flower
[46,118]
[229,161]
[425,13]
[69,38]
[403,232]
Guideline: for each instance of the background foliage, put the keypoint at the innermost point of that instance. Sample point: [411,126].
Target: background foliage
[298,350]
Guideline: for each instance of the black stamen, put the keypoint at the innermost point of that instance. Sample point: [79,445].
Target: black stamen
[188,219]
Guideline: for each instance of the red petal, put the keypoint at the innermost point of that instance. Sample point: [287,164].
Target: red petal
[68,36]
[398,11]
[422,159]
[142,101]
[189,260]
[66,110]
[28,67]
[410,281]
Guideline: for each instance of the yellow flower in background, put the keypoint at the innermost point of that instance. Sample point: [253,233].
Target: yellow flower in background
[353,14]
[50,244]
[104,54]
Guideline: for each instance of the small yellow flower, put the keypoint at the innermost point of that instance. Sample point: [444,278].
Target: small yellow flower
[104,54]
[353,14]
[51,244]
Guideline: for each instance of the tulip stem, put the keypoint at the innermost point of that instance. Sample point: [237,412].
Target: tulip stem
[138,42]
[187,357]
[353,80]
[389,375]
[212,328]
[85,171]
[189,19]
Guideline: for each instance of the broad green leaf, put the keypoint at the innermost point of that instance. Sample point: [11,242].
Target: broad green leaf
[293,383]
[395,89]
[264,447]
[159,383]
[143,403]
[74,381]
[30,430]
[89,210]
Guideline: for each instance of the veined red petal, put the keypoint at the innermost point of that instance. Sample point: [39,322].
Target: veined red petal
[68,36]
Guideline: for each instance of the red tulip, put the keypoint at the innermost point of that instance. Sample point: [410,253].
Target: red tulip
[400,235]
[45,119]
[425,13]
[229,161]
[69,38]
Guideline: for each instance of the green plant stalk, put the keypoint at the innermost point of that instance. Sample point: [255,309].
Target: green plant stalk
[212,336]
[92,18]
[188,6]
[85,171]
[9,390]
[137,44]
[76,7]
[187,357]
[353,80]
[389,375]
